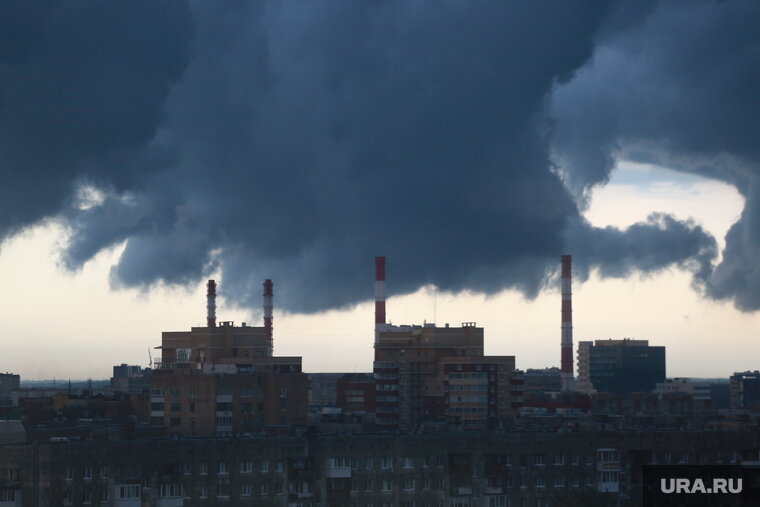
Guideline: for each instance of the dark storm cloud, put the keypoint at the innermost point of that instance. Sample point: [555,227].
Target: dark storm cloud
[303,139]
[82,85]
[679,89]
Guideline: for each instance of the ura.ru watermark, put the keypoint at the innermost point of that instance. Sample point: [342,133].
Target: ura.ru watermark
[710,486]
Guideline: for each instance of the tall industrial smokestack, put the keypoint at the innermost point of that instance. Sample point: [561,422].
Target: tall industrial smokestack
[567,323]
[211,303]
[268,313]
[379,296]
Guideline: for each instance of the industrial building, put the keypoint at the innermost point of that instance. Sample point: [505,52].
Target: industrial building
[437,374]
[223,380]
[744,391]
[622,366]
[131,379]
[356,394]
[9,383]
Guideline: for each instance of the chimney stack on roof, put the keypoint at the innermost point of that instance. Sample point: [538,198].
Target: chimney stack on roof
[211,303]
[268,313]
[567,323]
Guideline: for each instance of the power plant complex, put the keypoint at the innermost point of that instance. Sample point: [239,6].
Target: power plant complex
[224,380]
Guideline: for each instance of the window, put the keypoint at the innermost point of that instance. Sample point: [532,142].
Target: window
[539,459]
[88,472]
[368,464]
[683,457]
[204,491]
[368,485]
[7,495]
[246,490]
[105,472]
[559,481]
[246,467]
[105,495]
[385,485]
[264,490]
[69,473]
[175,393]
[87,497]
[339,462]
[203,468]
[223,468]
[280,467]
[408,484]
[264,466]
[386,463]
[224,391]
[576,459]
[183,355]
[408,463]
[559,459]
[246,392]
[176,407]
[222,490]
[193,393]
[540,482]
[129,491]
[283,392]
[170,490]
[497,501]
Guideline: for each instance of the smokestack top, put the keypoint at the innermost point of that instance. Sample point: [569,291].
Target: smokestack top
[379,292]
[567,323]
[380,269]
[268,287]
[268,314]
[211,303]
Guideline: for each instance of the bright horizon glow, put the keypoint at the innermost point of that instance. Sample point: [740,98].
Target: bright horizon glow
[61,325]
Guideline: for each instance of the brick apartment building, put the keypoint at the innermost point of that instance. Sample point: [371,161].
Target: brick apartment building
[222,380]
[438,374]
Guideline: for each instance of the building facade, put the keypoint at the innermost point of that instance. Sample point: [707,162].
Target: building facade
[9,383]
[455,469]
[744,391]
[625,366]
[439,374]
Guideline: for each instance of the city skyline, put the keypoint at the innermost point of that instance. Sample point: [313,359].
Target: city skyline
[506,331]
[471,145]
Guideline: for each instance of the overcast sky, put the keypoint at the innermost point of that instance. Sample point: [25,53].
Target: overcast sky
[146,146]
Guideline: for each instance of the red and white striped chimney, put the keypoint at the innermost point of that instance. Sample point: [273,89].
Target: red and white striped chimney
[211,303]
[379,296]
[567,323]
[268,313]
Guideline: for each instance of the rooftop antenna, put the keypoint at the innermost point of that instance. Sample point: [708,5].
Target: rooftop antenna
[150,359]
